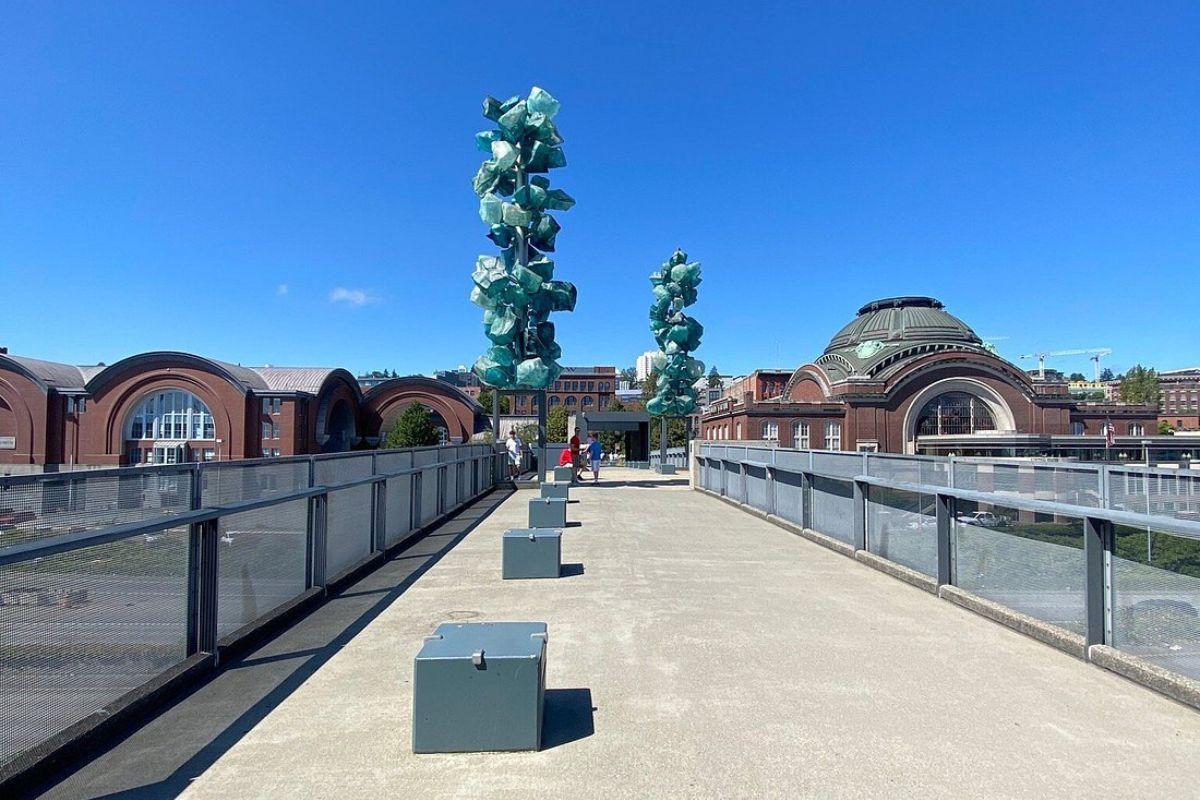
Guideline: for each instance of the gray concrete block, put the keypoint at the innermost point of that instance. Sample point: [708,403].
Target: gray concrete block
[1062,639]
[547,512]
[564,474]
[553,490]
[666,469]
[531,553]
[1172,684]
[480,686]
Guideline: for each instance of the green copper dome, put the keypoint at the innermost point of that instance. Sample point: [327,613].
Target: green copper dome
[903,319]
[895,329]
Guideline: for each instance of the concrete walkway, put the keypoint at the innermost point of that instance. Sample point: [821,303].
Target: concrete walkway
[701,652]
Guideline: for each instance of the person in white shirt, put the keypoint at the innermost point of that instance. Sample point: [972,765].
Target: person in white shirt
[514,447]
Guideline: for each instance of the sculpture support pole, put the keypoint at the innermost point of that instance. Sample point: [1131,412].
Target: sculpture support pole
[662,441]
[542,463]
[496,435]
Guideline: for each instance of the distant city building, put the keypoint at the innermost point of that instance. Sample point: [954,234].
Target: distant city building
[645,364]
[905,376]
[1108,391]
[578,389]
[1179,398]
[170,407]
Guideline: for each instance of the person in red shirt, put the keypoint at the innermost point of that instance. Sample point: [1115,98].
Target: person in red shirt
[576,458]
[565,459]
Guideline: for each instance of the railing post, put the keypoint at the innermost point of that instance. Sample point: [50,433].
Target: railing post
[1097,545]
[379,518]
[859,529]
[414,506]
[202,588]
[806,494]
[944,514]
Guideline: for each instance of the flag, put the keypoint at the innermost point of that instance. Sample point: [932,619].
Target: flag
[1110,434]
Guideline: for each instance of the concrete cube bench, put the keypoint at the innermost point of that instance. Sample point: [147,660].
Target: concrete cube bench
[532,553]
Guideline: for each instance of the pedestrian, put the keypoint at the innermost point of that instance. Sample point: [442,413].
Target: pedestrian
[576,458]
[513,447]
[595,452]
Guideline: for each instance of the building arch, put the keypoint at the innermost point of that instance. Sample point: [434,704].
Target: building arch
[997,407]
[462,414]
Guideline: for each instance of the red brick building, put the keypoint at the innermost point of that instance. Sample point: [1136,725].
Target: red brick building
[906,376]
[1179,398]
[578,389]
[167,407]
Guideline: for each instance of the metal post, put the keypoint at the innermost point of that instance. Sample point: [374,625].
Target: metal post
[662,441]
[541,470]
[379,518]
[202,588]
[770,490]
[806,493]
[320,538]
[944,511]
[859,529]
[1097,539]
[497,437]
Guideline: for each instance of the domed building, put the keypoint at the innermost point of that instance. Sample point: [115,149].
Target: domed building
[907,376]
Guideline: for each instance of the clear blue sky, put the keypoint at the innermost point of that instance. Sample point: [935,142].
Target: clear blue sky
[206,176]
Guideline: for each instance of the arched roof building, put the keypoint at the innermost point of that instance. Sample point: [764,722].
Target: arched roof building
[905,375]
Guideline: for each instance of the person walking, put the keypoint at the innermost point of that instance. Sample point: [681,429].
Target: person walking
[513,447]
[595,452]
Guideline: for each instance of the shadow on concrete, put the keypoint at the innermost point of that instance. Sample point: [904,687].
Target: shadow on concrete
[570,570]
[574,524]
[654,484]
[568,717]
[161,757]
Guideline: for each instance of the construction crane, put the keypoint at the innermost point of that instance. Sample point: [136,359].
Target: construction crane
[1094,354]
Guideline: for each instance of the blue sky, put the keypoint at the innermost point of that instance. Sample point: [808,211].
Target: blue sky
[290,183]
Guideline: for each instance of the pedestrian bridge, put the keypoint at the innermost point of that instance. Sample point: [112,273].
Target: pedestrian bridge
[695,650]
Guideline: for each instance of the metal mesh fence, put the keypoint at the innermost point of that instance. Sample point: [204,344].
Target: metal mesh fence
[229,482]
[1156,598]
[1029,562]
[789,497]
[843,465]
[756,486]
[1171,493]
[909,469]
[429,495]
[1063,483]
[734,487]
[833,508]
[334,471]
[398,511]
[80,629]
[261,562]
[348,529]
[902,527]
[36,507]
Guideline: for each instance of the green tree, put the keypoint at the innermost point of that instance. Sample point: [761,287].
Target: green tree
[556,424]
[1077,377]
[414,429]
[714,378]
[1164,428]
[485,400]
[677,430]
[615,404]
[1140,385]
[650,386]
[1106,374]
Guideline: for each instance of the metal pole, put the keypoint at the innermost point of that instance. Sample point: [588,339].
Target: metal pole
[662,441]
[541,401]
[496,428]
[1096,540]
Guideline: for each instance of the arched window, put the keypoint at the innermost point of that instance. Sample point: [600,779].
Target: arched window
[1077,429]
[801,437]
[571,402]
[738,431]
[588,401]
[954,413]
[171,414]
[554,400]
[770,431]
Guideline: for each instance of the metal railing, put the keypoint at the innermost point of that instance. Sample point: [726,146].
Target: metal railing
[112,579]
[1109,553]
[676,456]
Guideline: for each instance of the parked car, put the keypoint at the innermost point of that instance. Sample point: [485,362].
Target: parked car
[983,519]
[10,518]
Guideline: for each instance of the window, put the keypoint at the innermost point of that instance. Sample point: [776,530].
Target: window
[266,405]
[1077,429]
[954,413]
[833,436]
[801,437]
[588,401]
[171,414]
[770,431]
[571,401]
[554,400]
[1136,429]
[738,431]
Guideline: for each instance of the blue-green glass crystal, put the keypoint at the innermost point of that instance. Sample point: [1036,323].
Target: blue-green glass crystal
[542,102]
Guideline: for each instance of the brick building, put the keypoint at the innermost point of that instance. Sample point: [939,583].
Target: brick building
[578,389]
[169,407]
[906,376]
[1179,398]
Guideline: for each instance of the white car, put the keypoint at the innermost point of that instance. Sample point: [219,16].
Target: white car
[982,519]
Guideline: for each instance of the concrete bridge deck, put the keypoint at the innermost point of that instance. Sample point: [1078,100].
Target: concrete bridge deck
[698,651]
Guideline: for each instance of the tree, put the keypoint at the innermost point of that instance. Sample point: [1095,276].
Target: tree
[1140,385]
[676,433]
[649,386]
[414,429]
[1078,377]
[556,424]
[616,405]
[714,378]
[1106,374]
[485,400]
[1164,428]
[629,374]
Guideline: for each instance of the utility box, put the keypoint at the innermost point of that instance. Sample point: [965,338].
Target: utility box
[547,512]
[553,490]
[480,686]
[532,553]
[666,469]
[564,474]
